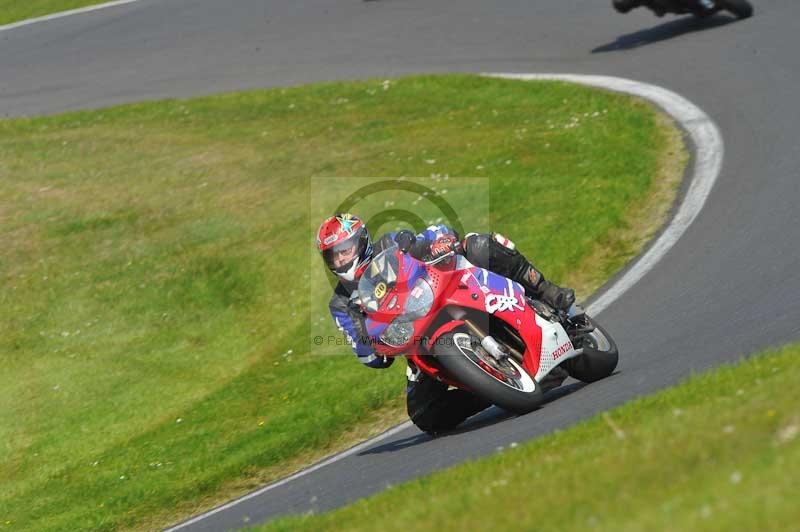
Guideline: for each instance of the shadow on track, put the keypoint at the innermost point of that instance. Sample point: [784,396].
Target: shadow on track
[663,32]
[487,418]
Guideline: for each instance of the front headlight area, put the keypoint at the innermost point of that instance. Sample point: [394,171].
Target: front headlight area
[398,333]
[419,301]
[417,305]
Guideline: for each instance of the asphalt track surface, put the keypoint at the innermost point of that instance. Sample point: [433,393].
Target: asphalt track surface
[730,286]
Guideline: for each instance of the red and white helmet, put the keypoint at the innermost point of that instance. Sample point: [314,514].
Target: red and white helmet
[341,237]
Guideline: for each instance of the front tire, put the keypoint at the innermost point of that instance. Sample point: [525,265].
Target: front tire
[741,8]
[461,355]
[599,359]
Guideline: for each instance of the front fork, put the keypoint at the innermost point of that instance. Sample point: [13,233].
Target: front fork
[493,347]
[573,321]
[496,349]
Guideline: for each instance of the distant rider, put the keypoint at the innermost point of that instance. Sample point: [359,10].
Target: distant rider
[623,6]
[346,248]
[660,8]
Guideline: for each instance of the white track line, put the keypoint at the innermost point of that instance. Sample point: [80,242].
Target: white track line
[708,154]
[319,465]
[62,14]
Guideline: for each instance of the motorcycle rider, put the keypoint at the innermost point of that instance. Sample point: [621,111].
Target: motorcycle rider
[623,6]
[347,248]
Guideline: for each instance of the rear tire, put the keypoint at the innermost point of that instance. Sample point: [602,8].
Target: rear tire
[599,358]
[741,8]
[459,354]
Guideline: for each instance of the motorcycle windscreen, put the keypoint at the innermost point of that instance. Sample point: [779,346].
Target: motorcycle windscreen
[385,285]
[379,279]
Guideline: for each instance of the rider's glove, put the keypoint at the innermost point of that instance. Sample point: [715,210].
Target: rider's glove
[354,303]
[405,239]
[445,244]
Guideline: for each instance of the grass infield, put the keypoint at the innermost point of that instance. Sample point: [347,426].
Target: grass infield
[16,10]
[719,452]
[154,348]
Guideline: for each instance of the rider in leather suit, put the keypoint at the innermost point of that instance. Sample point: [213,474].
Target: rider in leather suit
[346,247]
[661,8]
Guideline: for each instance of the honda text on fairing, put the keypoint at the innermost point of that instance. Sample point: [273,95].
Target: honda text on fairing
[699,8]
[478,331]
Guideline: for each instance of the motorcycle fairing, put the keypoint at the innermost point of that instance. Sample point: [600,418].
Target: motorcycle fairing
[400,273]
[505,299]
[547,344]
[556,347]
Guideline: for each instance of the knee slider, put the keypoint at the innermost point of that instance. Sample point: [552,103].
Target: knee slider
[425,423]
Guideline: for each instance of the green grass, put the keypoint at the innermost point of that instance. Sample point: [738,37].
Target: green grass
[155,272]
[15,10]
[719,452]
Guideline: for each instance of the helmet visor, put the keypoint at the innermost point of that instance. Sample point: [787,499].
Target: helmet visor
[340,257]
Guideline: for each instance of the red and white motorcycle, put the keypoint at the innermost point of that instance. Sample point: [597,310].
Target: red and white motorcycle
[476,330]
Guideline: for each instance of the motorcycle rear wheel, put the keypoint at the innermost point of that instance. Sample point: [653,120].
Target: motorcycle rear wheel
[506,384]
[599,359]
[740,8]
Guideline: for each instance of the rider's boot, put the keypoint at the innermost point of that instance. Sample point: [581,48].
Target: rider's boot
[623,6]
[552,294]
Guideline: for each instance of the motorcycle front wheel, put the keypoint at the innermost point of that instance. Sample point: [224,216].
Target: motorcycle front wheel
[504,383]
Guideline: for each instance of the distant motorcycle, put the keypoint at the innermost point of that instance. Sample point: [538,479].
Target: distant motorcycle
[699,8]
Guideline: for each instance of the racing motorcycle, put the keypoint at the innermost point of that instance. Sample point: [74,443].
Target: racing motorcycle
[700,8]
[478,331]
